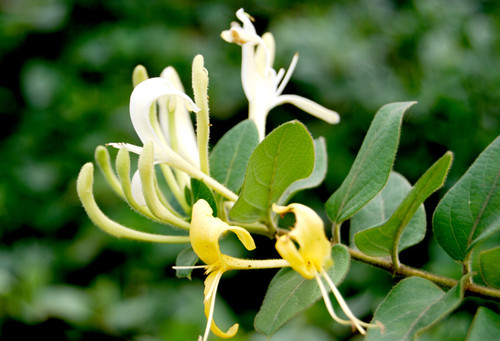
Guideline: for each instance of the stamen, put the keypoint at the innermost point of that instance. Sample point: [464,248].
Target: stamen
[279,77]
[328,303]
[175,267]
[291,68]
[345,308]
[237,38]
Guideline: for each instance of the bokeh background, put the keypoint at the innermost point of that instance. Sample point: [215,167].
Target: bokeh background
[65,83]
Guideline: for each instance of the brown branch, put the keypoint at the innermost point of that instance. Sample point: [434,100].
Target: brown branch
[470,289]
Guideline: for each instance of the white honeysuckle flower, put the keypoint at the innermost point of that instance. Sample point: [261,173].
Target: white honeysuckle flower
[146,124]
[263,86]
[150,127]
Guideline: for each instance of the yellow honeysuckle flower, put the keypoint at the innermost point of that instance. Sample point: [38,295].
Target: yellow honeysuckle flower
[204,234]
[312,257]
[314,250]
[263,86]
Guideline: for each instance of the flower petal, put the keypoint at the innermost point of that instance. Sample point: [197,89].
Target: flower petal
[141,100]
[211,283]
[244,236]
[206,230]
[309,106]
[288,251]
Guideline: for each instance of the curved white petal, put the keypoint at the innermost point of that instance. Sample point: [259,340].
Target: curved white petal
[143,96]
[309,106]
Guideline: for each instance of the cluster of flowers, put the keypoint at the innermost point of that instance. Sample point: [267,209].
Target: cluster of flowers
[159,110]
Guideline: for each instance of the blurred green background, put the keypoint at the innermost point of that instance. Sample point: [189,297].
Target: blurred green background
[64,89]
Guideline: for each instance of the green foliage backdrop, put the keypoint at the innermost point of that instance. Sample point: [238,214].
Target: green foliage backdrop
[65,86]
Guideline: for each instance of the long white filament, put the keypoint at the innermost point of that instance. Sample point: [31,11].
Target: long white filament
[345,308]
[329,306]
[288,74]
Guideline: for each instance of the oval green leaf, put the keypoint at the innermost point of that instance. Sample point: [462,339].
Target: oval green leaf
[412,306]
[384,239]
[469,212]
[380,208]
[283,157]
[290,294]
[372,165]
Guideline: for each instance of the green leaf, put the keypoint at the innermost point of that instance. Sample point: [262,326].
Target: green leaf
[201,191]
[469,212]
[317,176]
[412,306]
[372,165]
[285,155]
[382,240]
[489,263]
[290,294]
[229,157]
[486,326]
[186,257]
[380,208]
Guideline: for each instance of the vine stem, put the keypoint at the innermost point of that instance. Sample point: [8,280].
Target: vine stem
[470,289]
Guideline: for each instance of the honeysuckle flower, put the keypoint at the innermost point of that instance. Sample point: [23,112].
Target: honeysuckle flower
[312,257]
[263,86]
[171,132]
[171,129]
[204,234]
